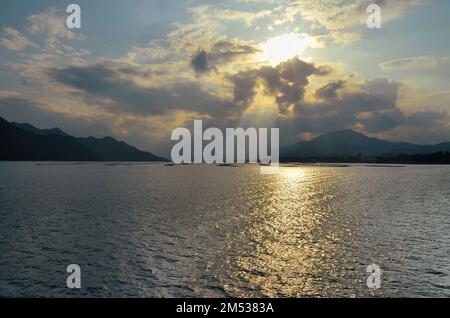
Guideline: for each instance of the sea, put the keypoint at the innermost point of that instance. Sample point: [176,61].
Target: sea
[155,230]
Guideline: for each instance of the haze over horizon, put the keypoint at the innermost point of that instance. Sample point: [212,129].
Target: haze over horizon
[138,70]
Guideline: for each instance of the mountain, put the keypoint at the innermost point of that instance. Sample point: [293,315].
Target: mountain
[351,143]
[21,144]
[26,142]
[42,132]
[112,150]
[343,142]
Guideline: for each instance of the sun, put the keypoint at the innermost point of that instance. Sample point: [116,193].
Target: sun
[285,47]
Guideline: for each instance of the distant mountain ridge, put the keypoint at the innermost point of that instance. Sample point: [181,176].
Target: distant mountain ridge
[113,150]
[25,142]
[42,132]
[351,143]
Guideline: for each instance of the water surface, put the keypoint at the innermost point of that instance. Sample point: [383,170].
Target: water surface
[148,230]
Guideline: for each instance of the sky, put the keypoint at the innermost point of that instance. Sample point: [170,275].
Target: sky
[138,69]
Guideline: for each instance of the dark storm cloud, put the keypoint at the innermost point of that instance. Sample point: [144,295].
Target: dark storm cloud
[384,90]
[376,122]
[385,121]
[221,53]
[297,71]
[323,123]
[244,84]
[370,106]
[371,96]
[271,77]
[426,118]
[110,87]
[286,81]
[329,91]
[200,62]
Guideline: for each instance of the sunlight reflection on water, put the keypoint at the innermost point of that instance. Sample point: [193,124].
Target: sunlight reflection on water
[156,231]
[284,249]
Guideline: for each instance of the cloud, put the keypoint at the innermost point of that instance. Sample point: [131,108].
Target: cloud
[114,86]
[49,25]
[329,91]
[341,16]
[201,70]
[371,95]
[244,84]
[422,127]
[427,119]
[21,108]
[383,91]
[198,42]
[426,75]
[48,29]
[377,122]
[221,53]
[409,63]
[344,38]
[344,14]
[380,121]
[157,49]
[369,106]
[421,67]
[144,132]
[13,40]
[201,63]
[12,104]
[286,81]
[218,14]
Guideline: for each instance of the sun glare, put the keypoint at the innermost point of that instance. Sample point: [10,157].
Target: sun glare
[285,46]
